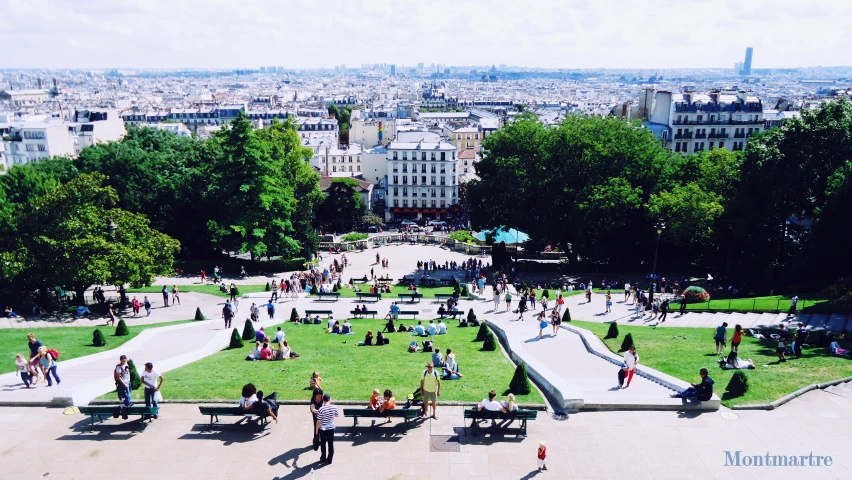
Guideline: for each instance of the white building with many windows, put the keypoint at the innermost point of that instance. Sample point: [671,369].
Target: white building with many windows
[422,180]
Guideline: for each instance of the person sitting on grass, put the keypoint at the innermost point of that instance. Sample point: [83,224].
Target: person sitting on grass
[368,341]
[402,328]
[380,339]
[451,368]
[388,403]
[255,352]
[336,327]
[437,358]
[375,400]
[419,330]
[702,391]
[265,352]
[733,362]
[442,328]
[347,328]
[413,347]
[389,327]
[316,380]
[432,328]
[283,352]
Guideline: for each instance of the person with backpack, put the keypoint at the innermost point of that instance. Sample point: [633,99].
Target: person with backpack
[227,313]
[147,304]
[430,389]
[48,364]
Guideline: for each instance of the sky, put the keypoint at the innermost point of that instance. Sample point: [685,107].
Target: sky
[324,33]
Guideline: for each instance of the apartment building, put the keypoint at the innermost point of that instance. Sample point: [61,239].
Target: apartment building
[422,180]
[464,136]
[690,122]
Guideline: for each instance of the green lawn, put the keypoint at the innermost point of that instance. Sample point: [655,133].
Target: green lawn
[768,303]
[208,289]
[70,342]
[427,292]
[349,372]
[694,348]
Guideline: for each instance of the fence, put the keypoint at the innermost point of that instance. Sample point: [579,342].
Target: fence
[767,305]
[402,238]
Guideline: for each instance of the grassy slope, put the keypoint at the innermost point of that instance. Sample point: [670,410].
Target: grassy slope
[208,289]
[769,303]
[349,372]
[70,342]
[682,358]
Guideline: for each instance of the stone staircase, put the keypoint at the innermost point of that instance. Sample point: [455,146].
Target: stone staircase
[841,389]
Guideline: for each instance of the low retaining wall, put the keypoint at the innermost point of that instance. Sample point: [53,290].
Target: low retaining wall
[798,393]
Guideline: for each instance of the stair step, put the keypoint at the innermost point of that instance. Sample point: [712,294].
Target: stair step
[818,321]
[836,322]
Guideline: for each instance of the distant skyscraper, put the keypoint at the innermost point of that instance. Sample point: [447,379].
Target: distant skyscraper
[393,70]
[747,63]
[738,68]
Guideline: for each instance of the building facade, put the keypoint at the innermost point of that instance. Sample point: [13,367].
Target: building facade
[422,180]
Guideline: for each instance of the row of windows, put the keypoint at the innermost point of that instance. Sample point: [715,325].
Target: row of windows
[475,136]
[414,168]
[343,168]
[33,135]
[423,204]
[423,192]
[32,147]
[443,180]
[433,155]
[345,159]
[699,146]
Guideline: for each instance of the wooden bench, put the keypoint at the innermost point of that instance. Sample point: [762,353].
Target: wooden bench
[444,295]
[362,312]
[451,314]
[413,313]
[384,280]
[106,411]
[374,296]
[326,313]
[359,280]
[333,295]
[405,413]
[521,415]
[215,411]
[412,296]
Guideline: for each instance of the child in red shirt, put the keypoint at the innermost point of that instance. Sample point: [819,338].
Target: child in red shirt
[542,454]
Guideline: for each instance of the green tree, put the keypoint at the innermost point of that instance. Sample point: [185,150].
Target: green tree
[63,239]
[490,343]
[738,386]
[520,384]
[121,329]
[236,341]
[248,331]
[626,343]
[198,314]
[612,332]
[135,380]
[98,338]
[482,332]
[343,205]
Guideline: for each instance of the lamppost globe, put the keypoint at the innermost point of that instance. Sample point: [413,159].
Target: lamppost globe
[111,228]
[660,226]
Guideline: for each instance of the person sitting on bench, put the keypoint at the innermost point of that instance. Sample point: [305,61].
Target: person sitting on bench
[419,330]
[442,311]
[388,403]
[375,400]
[357,313]
[491,405]
[702,391]
[250,402]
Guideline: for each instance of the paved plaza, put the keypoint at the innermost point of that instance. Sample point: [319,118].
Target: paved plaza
[48,443]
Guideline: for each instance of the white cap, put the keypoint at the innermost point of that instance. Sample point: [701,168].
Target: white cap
[541,443]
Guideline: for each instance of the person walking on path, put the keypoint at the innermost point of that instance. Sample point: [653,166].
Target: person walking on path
[147,304]
[793,304]
[542,456]
[721,337]
[175,295]
[48,365]
[111,313]
[152,381]
[121,375]
[556,321]
[136,306]
[532,299]
[227,314]
[542,324]
[508,300]
[608,302]
[522,307]
[430,389]
[496,299]
[683,305]
[631,359]
[626,291]
[233,292]
[560,300]
[664,310]
[325,429]
[165,293]
[270,310]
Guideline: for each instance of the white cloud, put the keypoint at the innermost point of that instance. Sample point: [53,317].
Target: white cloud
[312,33]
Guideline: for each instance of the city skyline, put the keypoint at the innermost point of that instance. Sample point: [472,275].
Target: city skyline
[303,34]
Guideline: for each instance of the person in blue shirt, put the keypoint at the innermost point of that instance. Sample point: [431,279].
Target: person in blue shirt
[419,330]
[270,309]
[433,330]
[395,311]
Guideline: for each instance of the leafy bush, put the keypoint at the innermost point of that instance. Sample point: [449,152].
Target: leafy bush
[334,288]
[248,330]
[121,329]
[198,314]
[613,330]
[135,380]
[490,343]
[520,384]
[738,386]
[566,317]
[481,333]
[471,316]
[545,294]
[282,265]
[463,236]
[696,294]
[236,341]
[627,343]
[464,292]
[98,338]
[371,219]
[354,237]
[268,287]
[294,314]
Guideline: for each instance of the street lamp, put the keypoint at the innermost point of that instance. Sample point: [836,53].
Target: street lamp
[659,227]
[111,228]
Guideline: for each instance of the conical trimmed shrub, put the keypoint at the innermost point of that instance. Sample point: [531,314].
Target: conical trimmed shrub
[198,314]
[294,314]
[334,288]
[464,292]
[248,330]
[490,343]
[520,384]
[236,341]
[738,386]
[566,317]
[121,329]
[470,315]
[268,287]
[135,380]
[627,343]
[98,339]
[482,332]
[613,331]
[545,294]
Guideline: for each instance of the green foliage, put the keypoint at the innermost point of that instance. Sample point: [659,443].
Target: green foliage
[464,236]
[482,332]
[464,292]
[566,317]
[371,219]
[471,317]
[613,330]
[334,288]
[490,343]
[268,287]
[520,384]
[354,237]
[98,338]
[248,330]
[343,205]
[198,314]
[294,314]
[696,294]
[545,293]
[121,329]
[135,380]
[738,386]
[236,341]
[626,343]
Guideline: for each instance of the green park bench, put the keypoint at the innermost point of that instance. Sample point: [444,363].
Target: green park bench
[384,280]
[411,296]
[405,413]
[106,411]
[325,313]
[333,295]
[413,313]
[216,411]
[374,296]
[451,314]
[521,415]
[359,280]
[363,312]
[444,295]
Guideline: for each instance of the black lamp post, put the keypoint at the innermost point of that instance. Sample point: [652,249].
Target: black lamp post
[659,227]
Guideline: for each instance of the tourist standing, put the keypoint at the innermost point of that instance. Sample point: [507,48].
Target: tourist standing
[227,314]
[522,306]
[274,292]
[608,302]
[737,338]
[801,338]
[508,300]
[255,312]
[233,292]
[542,455]
[152,381]
[121,375]
[683,304]
[175,295]
[560,301]
[664,310]
[430,388]
[270,310]
[631,359]
[325,429]
[783,336]
[721,337]
[147,304]
[316,404]
[165,293]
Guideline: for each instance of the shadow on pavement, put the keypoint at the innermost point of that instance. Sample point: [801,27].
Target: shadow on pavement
[228,434]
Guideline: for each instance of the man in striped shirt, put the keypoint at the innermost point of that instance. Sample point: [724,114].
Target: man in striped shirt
[325,428]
